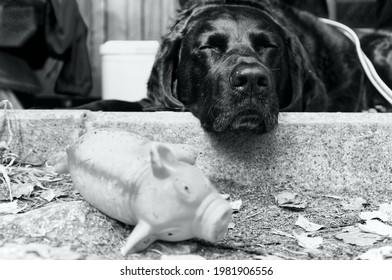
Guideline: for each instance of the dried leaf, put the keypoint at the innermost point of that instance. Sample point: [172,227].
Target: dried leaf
[308,242]
[290,200]
[225,196]
[10,207]
[355,203]
[182,257]
[384,213]
[21,190]
[382,253]
[231,226]
[353,235]
[307,225]
[236,205]
[48,195]
[3,146]
[19,180]
[51,194]
[386,208]
[373,215]
[376,227]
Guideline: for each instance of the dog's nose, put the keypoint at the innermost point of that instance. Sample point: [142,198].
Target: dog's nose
[249,78]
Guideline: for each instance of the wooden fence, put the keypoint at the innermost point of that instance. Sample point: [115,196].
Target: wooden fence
[123,20]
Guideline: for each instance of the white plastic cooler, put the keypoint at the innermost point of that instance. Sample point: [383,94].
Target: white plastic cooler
[126,67]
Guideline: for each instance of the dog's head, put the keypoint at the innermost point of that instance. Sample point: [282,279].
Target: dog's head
[233,64]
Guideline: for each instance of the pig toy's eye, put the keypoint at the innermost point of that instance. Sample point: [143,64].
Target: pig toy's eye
[184,190]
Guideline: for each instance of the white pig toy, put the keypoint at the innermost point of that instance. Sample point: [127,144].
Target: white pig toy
[151,185]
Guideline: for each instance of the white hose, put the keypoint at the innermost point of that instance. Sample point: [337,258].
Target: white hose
[370,71]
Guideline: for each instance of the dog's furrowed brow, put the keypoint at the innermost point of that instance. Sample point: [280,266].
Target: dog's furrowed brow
[261,38]
[217,39]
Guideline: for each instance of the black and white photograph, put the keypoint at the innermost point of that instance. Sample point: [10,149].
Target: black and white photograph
[195,138]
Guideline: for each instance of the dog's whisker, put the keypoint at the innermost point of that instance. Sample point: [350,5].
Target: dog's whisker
[212,107]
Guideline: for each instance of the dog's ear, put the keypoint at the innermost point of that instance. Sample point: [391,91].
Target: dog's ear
[161,86]
[308,91]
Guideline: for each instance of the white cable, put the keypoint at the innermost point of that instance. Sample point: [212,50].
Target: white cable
[370,71]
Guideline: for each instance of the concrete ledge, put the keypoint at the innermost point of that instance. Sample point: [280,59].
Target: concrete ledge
[313,150]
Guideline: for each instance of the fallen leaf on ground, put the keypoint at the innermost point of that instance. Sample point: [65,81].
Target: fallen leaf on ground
[376,227]
[225,196]
[308,242]
[386,208]
[3,146]
[48,195]
[231,226]
[182,257]
[369,215]
[10,207]
[382,253]
[290,200]
[21,190]
[355,203]
[51,194]
[307,225]
[384,213]
[353,235]
[236,205]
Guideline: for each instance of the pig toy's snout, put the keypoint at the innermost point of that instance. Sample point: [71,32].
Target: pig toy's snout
[213,217]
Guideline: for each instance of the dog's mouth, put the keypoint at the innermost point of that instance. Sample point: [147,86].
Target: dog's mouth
[257,118]
[248,121]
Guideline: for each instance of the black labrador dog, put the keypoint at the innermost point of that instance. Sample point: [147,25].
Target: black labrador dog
[235,64]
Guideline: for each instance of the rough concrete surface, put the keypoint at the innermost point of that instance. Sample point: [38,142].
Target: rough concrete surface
[325,157]
[312,149]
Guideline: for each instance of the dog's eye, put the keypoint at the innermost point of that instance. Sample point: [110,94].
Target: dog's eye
[215,42]
[208,47]
[263,48]
[272,46]
[262,42]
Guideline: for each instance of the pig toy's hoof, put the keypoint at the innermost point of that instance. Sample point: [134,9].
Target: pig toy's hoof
[141,237]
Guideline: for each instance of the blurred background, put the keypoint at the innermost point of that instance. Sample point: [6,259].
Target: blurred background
[50,49]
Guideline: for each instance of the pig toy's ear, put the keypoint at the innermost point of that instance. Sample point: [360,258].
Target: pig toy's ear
[162,160]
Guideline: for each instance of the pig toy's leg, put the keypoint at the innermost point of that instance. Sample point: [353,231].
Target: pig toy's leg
[184,152]
[141,237]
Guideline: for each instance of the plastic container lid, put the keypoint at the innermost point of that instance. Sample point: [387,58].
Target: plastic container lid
[129,47]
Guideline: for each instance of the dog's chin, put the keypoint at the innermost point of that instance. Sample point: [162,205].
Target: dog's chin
[251,122]
[246,121]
